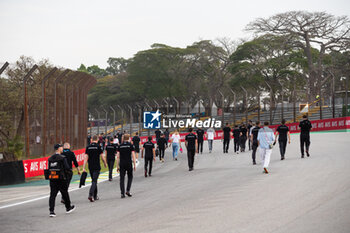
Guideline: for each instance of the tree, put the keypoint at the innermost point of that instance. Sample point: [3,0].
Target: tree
[93,70]
[157,73]
[117,65]
[266,59]
[308,30]
[210,63]
[12,110]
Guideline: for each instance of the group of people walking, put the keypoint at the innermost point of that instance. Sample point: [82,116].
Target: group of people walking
[125,150]
[264,138]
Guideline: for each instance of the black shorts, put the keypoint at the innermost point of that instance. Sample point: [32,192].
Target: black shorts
[137,149]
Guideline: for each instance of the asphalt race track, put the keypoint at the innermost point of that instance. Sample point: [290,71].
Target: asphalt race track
[225,193]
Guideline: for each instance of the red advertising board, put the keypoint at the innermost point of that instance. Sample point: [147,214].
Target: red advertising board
[35,167]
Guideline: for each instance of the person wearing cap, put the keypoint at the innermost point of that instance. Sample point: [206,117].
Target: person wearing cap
[93,153]
[71,159]
[58,162]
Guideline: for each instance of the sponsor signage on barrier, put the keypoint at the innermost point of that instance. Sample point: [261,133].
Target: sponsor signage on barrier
[35,167]
[321,125]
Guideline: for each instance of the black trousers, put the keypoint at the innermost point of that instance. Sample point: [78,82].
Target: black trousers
[110,163]
[283,146]
[200,146]
[123,170]
[68,179]
[243,140]
[304,140]
[254,148]
[236,144]
[148,162]
[94,177]
[55,187]
[161,153]
[226,144]
[190,157]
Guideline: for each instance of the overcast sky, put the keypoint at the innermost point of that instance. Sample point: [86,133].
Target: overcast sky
[71,32]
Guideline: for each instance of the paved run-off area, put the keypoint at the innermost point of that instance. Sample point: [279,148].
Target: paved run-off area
[225,193]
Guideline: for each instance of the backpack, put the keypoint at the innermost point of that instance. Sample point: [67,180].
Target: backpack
[55,169]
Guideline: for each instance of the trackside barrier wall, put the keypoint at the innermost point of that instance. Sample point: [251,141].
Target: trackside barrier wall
[11,173]
[35,167]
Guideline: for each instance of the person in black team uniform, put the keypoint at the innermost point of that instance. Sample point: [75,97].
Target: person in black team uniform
[70,156]
[191,145]
[200,138]
[236,134]
[111,151]
[59,163]
[88,139]
[136,143]
[305,127]
[282,132]
[126,159]
[254,139]
[161,147]
[150,155]
[119,136]
[167,134]
[250,125]
[243,137]
[92,157]
[157,133]
[226,137]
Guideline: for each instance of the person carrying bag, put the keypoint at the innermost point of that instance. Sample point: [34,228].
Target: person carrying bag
[57,174]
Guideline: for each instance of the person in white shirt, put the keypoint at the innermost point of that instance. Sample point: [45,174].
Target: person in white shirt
[210,138]
[38,139]
[115,140]
[266,137]
[175,141]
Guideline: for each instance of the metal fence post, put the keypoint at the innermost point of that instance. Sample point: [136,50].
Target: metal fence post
[246,105]
[270,102]
[106,120]
[113,119]
[234,106]
[177,106]
[98,121]
[122,114]
[26,114]
[131,120]
[43,110]
[222,107]
[56,104]
[4,67]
